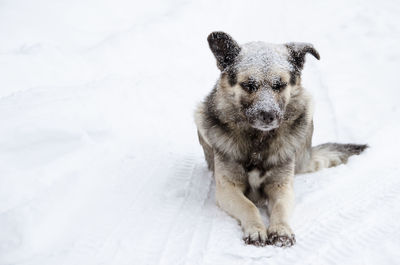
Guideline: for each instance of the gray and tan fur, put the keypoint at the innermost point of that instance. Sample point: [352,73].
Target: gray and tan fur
[255,128]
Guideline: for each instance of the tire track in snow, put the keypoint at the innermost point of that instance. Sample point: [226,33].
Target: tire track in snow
[181,241]
[204,227]
[146,219]
[325,235]
[356,233]
[145,234]
[174,197]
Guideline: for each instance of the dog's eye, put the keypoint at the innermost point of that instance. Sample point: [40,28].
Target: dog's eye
[250,86]
[278,86]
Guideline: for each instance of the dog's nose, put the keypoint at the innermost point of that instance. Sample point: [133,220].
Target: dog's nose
[267,117]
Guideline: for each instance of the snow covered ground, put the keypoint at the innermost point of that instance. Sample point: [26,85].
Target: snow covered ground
[99,159]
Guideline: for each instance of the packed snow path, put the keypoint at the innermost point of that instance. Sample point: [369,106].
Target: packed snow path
[99,158]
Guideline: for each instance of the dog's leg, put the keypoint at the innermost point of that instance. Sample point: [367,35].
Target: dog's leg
[231,199]
[280,205]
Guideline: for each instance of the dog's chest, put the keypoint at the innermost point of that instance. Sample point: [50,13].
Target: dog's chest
[260,159]
[256,155]
[256,178]
[256,167]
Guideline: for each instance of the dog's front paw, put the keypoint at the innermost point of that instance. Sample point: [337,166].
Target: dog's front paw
[255,234]
[280,235]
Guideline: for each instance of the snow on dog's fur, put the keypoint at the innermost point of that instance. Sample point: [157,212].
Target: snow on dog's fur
[255,128]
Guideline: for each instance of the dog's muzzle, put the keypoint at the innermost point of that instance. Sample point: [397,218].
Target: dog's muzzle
[265,113]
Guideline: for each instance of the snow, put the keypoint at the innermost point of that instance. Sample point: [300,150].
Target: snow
[262,56]
[99,157]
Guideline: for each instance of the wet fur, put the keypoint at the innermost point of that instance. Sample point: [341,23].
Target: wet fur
[252,166]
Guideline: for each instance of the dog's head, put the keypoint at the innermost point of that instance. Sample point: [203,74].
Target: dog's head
[258,79]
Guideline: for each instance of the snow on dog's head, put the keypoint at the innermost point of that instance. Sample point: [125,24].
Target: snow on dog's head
[257,79]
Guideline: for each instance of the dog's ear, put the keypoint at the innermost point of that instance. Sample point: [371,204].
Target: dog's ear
[224,48]
[298,51]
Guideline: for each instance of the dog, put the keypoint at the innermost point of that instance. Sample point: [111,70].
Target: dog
[255,128]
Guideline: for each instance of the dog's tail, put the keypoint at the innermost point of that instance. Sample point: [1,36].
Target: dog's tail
[331,155]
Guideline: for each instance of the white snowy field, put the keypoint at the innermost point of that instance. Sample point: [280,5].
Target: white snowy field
[99,158]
